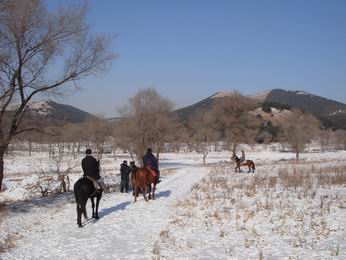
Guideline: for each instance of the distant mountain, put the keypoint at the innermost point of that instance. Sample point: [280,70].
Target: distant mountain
[306,101]
[50,111]
[203,105]
[331,113]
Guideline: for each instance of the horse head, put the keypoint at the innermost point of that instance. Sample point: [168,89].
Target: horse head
[133,166]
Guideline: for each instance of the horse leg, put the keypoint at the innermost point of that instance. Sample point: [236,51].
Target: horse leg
[93,206]
[98,198]
[144,191]
[149,191]
[79,215]
[81,210]
[154,187]
[135,193]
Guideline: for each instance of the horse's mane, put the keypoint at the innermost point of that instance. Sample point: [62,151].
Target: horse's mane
[237,159]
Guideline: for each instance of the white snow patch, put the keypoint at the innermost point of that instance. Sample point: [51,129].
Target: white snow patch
[223,94]
[340,111]
[37,107]
[302,93]
[261,96]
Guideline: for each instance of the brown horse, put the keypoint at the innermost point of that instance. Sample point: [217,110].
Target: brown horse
[239,163]
[144,181]
[134,169]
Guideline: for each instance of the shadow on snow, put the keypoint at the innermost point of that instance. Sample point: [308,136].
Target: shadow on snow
[163,194]
[121,206]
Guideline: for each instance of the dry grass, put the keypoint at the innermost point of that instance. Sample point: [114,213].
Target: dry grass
[296,200]
[3,208]
[8,243]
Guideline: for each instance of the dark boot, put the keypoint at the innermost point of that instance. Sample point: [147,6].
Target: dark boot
[158,177]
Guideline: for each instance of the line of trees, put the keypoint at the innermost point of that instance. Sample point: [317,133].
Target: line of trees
[148,121]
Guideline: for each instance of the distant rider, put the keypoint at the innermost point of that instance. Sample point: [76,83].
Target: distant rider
[242,157]
[150,160]
[91,170]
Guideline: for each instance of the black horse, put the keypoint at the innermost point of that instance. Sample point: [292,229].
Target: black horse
[83,190]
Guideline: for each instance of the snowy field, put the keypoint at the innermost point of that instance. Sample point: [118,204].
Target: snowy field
[285,210]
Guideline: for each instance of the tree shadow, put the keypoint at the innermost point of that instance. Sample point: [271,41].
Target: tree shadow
[52,201]
[163,194]
[121,206]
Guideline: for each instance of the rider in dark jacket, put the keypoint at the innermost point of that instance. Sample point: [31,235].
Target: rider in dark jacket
[91,170]
[150,160]
[124,174]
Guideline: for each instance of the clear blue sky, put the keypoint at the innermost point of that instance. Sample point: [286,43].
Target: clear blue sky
[189,49]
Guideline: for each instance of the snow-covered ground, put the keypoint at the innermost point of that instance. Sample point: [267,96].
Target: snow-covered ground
[200,211]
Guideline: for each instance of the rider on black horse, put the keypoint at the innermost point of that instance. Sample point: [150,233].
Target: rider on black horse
[92,171]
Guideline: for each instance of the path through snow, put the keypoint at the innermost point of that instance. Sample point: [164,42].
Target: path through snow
[125,230]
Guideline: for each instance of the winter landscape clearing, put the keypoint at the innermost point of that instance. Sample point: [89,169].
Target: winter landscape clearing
[285,210]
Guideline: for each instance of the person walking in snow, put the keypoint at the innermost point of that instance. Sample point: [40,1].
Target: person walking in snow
[91,170]
[149,160]
[124,174]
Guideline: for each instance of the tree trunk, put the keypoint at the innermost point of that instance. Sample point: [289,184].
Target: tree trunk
[1,170]
[3,149]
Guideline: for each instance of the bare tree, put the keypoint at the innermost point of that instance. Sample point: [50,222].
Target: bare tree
[147,123]
[299,130]
[40,52]
[324,138]
[340,139]
[202,134]
[230,117]
[99,132]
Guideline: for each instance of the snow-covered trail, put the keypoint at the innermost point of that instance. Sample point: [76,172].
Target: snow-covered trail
[125,230]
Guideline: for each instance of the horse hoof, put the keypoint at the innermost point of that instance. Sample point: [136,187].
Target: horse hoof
[97,217]
[80,225]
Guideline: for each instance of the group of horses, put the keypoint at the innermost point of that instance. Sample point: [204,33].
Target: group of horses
[143,180]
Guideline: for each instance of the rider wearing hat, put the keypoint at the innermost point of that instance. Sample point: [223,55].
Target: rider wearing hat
[91,170]
[124,174]
[149,160]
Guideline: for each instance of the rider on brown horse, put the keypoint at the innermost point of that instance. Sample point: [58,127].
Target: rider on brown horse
[239,162]
[242,157]
[150,161]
